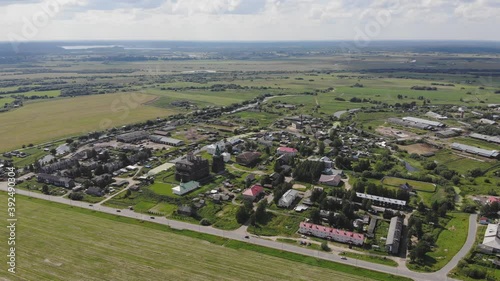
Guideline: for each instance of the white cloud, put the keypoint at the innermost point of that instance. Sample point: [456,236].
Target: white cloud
[268,19]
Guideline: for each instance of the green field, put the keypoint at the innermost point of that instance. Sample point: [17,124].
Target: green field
[417,185]
[48,120]
[54,93]
[202,97]
[371,258]
[449,242]
[99,246]
[278,224]
[161,188]
[163,208]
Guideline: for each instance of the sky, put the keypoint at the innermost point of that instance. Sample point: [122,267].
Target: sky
[249,20]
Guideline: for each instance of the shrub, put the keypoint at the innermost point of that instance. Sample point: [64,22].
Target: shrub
[324,246]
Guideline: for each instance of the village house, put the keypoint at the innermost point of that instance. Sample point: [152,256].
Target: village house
[55,180]
[248,158]
[185,187]
[211,149]
[253,192]
[332,180]
[185,210]
[60,165]
[94,191]
[287,199]
[491,241]
[286,150]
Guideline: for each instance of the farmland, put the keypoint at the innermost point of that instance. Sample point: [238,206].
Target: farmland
[43,121]
[253,102]
[139,251]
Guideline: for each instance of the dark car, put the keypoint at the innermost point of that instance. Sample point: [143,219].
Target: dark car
[118,211]
[247,237]
[152,218]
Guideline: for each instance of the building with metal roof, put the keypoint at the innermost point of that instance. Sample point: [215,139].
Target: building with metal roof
[423,121]
[287,199]
[475,150]
[491,241]
[487,138]
[166,140]
[401,122]
[394,235]
[381,199]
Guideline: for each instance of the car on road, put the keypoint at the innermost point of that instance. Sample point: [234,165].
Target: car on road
[118,211]
[247,237]
[90,205]
[152,218]
[343,258]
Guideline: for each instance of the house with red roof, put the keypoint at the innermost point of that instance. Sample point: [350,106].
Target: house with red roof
[253,192]
[331,233]
[492,199]
[484,221]
[286,150]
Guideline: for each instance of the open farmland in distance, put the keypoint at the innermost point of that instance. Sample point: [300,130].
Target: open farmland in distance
[43,121]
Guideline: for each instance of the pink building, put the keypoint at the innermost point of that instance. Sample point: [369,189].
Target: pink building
[253,192]
[331,233]
[493,199]
[287,150]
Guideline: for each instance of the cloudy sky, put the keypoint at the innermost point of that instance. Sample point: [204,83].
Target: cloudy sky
[233,20]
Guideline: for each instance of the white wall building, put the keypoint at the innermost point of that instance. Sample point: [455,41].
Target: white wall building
[287,199]
[185,187]
[226,156]
[213,147]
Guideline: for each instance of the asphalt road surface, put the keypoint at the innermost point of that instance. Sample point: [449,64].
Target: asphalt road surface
[402,271]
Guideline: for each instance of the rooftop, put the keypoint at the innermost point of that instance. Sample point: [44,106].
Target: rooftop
[254,190]
[332,230]
[287,149]
[381,199]
[423,121]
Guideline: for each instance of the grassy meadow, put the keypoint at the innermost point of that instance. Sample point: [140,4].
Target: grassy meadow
[66,243]
[48,120]
[449,242]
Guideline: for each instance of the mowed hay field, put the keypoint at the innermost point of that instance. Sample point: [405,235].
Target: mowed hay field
[56,242]
[47,120]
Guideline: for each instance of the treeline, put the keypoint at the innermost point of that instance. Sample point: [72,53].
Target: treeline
[491,130]
[309,171]
[378,190]
[424,88]
[216,88]
[442,84]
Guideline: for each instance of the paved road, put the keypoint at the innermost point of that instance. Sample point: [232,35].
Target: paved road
[469,243]
[237,235]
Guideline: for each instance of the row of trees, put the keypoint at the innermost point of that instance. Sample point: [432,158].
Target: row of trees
[309,171]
